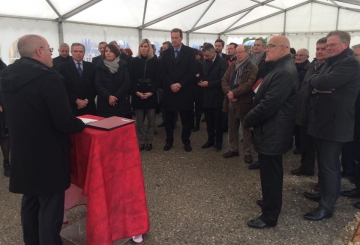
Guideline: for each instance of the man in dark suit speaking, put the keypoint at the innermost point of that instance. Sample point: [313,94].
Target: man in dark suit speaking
[79,78]
[178,73]
[39,119]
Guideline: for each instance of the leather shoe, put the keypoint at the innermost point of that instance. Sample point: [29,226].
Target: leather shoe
[312,196]
[258,223]
[318,214]
[260,203]
[248,159]
[353,193]
[254,166]
[187,148]
[141,147]
[167,146]
[299,172]
[207,144]
[148,147]
[230,154]
[357,205]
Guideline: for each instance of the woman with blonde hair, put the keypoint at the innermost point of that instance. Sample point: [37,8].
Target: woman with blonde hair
[144,76]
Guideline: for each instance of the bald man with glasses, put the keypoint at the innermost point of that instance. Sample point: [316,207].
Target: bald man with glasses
[272,118]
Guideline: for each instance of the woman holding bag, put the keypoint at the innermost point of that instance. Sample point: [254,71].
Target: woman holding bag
[144,75]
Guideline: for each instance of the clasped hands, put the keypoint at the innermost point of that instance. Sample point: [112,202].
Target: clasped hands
[81,103]
[175,87]
[231,97]
[112,100]
[144,96]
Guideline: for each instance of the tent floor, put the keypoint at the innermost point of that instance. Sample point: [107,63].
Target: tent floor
[202,198]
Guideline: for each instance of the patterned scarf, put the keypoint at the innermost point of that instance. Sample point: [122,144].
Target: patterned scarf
[239,67]
[257,60]
[112,65]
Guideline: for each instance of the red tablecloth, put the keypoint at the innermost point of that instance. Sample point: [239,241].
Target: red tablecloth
[107,165]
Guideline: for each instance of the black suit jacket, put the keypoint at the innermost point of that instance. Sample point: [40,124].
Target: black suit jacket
[80,87]
[224,56]
[180,70]
[332,115]
[212,95]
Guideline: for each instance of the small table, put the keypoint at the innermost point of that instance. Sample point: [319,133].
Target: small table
[107,166]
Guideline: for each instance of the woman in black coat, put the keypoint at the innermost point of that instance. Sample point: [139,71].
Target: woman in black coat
[4,134]
[144,76]
[112,83]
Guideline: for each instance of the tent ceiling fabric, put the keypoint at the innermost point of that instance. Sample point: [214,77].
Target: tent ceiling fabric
[198,16]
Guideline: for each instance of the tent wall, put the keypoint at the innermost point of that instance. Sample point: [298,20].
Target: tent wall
[11,29]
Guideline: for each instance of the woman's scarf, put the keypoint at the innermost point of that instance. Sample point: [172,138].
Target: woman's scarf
[112,65]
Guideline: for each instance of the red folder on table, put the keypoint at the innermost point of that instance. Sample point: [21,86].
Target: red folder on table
[110,123]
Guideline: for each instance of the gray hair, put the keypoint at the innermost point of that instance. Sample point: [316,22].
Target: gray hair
[208,47]
[28,44]
[77,44]
[305,50]
[262,40]
[344,36]
[356,46]
[64,45]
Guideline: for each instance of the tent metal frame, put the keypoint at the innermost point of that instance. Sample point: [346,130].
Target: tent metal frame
[195,28]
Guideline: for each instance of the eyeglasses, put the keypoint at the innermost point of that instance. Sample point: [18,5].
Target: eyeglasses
[333,44]
[240,52]
[50,49]
[257,45]
[269,46]
[300,55]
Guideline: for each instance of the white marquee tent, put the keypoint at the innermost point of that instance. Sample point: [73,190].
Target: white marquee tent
[128,21]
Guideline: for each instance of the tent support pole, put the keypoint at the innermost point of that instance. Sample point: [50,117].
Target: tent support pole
[337,18]
[61,32]
[140,35]
[284,29]
[187,38]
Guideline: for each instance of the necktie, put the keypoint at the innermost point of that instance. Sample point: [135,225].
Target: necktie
[176,53]
[79,69]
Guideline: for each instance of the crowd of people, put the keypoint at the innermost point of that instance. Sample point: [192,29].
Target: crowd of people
[267,96]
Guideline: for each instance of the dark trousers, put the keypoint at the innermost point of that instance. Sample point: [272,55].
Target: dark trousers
[271,175]
[197,112]
[297,130]
[163,116]
[41,218]
[307,152]
[187,120]
[347,158]
[213,118]
[225,121]
[328,153]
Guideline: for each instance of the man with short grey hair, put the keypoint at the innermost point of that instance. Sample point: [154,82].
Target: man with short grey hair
[79,79]
[63,56]
[237,86]
[332,117]
[39,120]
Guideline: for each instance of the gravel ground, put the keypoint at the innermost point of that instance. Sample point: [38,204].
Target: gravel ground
[202,198]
